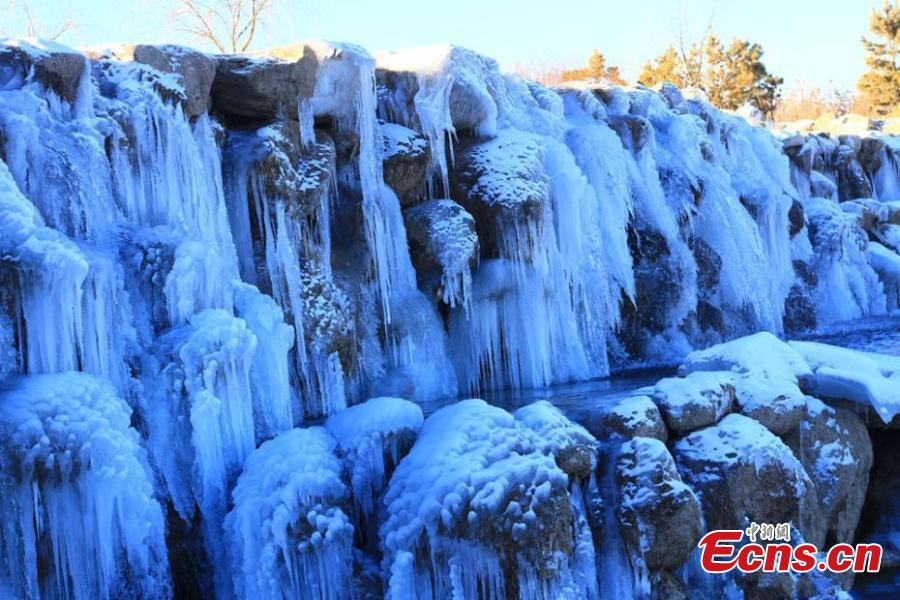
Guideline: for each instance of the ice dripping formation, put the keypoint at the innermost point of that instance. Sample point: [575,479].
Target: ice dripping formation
[199,253]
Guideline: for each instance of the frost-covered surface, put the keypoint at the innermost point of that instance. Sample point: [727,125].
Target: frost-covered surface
[697,400]
[80,517]
[468,503]
[287,534]
[870,380]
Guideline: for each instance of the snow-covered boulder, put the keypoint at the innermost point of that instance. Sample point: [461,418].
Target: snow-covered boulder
[477,509]
[443,241]
[80,517]
[194,71]
[697,400]
[822,187]
[574,449]
[741,471]
[869,382]
[660,514]
[636,416]
[407,156]
[54,66]
[501,183]
[287,534]
[836,452]
[372,438]
[259,87]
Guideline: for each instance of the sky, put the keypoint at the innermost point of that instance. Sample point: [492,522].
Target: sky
[808,42]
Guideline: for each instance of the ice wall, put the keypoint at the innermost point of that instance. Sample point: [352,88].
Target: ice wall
[234,244]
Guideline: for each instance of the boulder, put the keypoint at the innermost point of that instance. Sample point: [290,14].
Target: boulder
[574,449]
[195,71]
[478,503]
[695,401]
[406,159]
[501,183]
[261,87]
[442,240]
[821,186]
[661,519]
[777,404]
[633,417]
[53,65]
[834,448]
[742,471]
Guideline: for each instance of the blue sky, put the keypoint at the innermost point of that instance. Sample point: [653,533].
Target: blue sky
[816,42]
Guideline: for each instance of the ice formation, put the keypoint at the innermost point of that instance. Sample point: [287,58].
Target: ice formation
[198,253]
[80,516]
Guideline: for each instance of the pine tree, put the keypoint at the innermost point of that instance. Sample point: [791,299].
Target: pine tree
[665,67]
[880,85]
[596,69]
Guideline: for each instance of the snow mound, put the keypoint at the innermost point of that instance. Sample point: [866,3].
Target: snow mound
[697,400]
[867,379]
[761,354]
[287,534]
[79,515]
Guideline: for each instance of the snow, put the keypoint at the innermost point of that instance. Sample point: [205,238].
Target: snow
[287,534]
[871,380]
[761,355]
[887,264]
[80,516]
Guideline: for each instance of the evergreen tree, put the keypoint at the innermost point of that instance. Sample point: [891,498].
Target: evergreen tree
[596,69]
[880,85]
[665,67]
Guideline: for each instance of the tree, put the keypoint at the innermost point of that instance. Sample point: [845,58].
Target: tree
[880,85]
[730,77]
[21,14]
[596,69]
[229,25]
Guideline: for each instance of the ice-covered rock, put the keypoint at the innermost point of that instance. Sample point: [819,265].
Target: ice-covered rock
[835,449]
[573,447]
[372,438]
[868,381]
[442,239]
[477,505]
[660,514]
[48,63]
[887,264]
[637,416]
[741,470]
[287,534]
[502,184]
[697,400]
[80,516]
[407,157]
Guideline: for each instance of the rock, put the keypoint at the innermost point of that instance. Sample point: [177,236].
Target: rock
[880,522]
[295,175]
[658,282]
[741,471]
[695,401]
[406,159]
[442,239]
[672,97]
[633,417]
[53,65]
[799,310]
[195,70]
[660,515]
[835,449]
[574,449]
[796,217]
[852,179]
[634,131]
[259,88]
[777,404]
[328,319]
[870,153]
[501,183]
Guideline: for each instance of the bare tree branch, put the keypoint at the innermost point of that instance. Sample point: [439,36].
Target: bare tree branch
[229,25]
